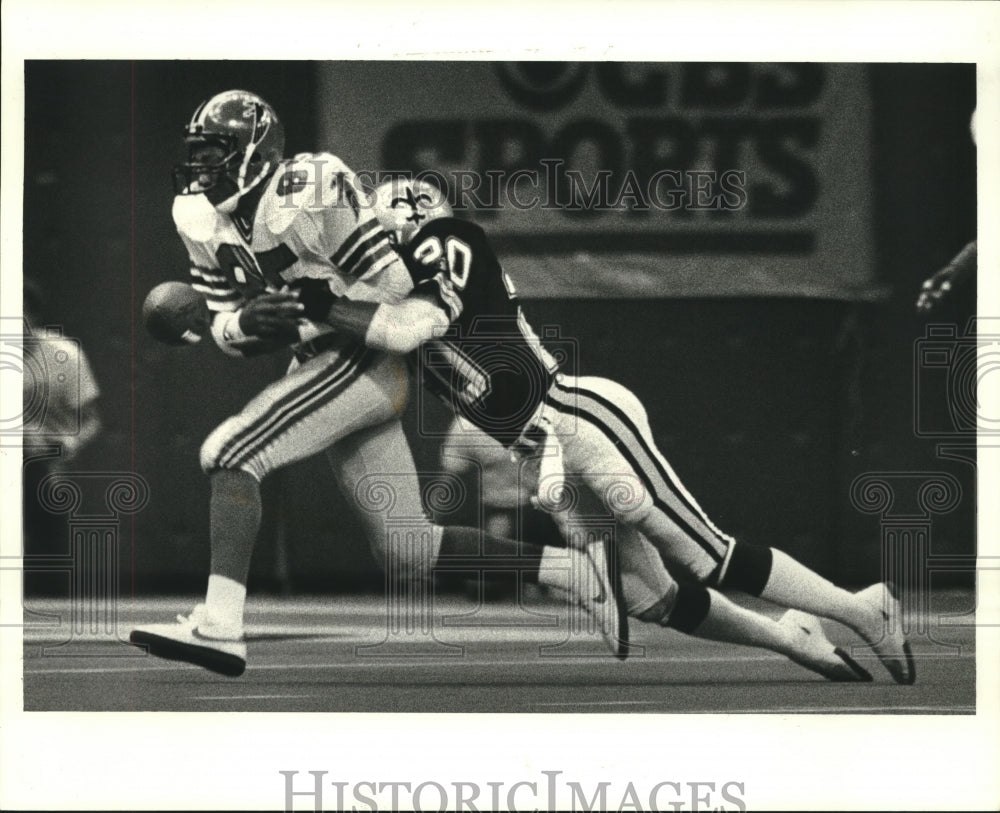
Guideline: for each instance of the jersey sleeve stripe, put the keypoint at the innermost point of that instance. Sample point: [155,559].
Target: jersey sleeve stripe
[214,296]
[362,232]
[362,265]
[349,262]
[377,265]
[215,280]
[221,286]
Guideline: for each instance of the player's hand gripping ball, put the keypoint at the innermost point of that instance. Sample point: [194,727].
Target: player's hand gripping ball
[176,314]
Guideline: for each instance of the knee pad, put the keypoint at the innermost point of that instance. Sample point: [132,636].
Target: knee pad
[749,569]
[690,608]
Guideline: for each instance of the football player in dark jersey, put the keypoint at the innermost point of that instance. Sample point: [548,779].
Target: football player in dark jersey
[465,322]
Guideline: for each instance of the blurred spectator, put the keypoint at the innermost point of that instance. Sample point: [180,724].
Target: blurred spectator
[59,417]
[60,404]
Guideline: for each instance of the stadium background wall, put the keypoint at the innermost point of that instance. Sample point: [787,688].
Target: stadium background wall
[767,406]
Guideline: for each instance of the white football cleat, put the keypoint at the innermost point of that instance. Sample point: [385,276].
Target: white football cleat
[595,585]
[888,641]
[196,639]
[816,652]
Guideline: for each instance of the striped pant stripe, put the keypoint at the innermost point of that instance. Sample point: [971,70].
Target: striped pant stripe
[668,475]
[316,391]
[634,448]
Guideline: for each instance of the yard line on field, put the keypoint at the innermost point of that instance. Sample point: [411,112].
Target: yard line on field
[604,703]
[873,709]
[380,663]
[255,697]
[96,670]
[832,709]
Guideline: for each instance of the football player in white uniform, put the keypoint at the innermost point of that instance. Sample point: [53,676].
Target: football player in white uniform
[482,357]
[261,230]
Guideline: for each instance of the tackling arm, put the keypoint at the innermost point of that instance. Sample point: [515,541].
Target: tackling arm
[396,328]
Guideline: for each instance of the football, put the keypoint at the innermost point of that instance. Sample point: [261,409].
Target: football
[175,313]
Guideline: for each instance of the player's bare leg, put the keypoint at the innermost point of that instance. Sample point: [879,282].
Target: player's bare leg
[380,455]
[348,393]
[704,613]
[873,613]
[212,634]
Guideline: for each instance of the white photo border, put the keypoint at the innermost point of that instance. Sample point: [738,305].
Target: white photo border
[210,761]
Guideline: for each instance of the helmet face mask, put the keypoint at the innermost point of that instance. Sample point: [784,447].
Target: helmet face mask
[233,141]
[403,207]
[210,161]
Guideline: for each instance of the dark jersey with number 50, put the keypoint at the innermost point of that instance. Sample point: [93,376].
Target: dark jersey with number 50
[489,366]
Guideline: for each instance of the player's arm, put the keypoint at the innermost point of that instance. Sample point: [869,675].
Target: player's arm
[396,328]
[264,324]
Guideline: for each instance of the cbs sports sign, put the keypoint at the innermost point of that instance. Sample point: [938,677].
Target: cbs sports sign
[598,179]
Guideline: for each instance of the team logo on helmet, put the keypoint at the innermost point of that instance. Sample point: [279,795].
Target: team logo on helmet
[403,207]
[261,121]
[415,202]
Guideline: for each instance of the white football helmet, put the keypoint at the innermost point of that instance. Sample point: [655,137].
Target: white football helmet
[404,206]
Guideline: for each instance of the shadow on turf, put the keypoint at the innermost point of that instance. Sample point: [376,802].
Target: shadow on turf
[296,636]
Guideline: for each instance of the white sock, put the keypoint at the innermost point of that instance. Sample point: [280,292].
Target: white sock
[793,585]
[225,600]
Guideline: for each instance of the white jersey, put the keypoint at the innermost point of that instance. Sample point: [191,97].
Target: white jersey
[309,219]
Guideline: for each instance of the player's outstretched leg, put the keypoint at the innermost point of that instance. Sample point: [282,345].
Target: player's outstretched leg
[874,613]
[605,436]
[211,636]
[698,611]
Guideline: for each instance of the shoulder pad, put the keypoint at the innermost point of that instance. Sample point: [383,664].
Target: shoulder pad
[305,185]
[195,218]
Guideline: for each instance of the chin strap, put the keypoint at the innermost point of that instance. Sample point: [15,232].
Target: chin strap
[228,205]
